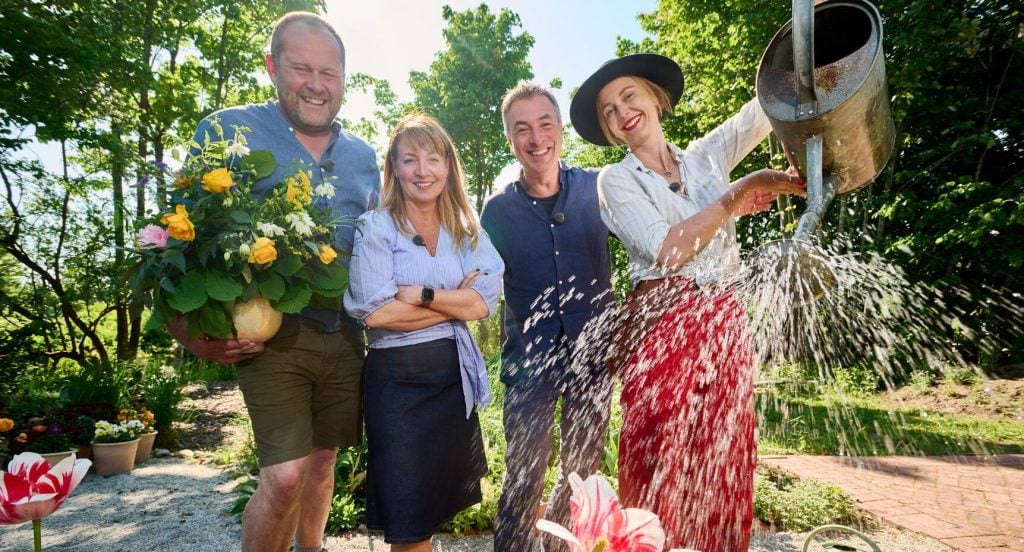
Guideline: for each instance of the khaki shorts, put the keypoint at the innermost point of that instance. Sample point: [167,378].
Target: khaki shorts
[304,391]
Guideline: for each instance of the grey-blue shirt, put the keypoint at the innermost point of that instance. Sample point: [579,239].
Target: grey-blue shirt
[349,160]
[385,258]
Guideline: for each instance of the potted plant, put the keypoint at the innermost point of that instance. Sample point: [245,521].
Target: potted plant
[148,436]
[114,446]
[231,261]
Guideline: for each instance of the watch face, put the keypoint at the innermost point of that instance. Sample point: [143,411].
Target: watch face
[427,295]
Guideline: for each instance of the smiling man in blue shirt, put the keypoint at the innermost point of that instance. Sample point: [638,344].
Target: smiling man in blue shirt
[547,228]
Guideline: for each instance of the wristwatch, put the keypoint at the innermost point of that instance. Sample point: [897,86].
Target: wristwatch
[426,296]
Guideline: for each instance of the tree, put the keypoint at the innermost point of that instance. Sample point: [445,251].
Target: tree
[110,81]
[465,86]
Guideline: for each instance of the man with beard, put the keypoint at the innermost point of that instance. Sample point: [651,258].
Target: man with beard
[302,387]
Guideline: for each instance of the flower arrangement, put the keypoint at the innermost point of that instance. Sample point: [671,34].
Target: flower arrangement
[31,490]
[219,244]
[122,432]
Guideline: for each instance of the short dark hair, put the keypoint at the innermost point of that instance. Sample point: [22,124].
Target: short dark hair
[525,91]
[309,19]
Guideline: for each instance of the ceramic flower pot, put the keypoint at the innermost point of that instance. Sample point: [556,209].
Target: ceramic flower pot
[54,457]
[256,319]
[84,452]
[114,458]
[145,447]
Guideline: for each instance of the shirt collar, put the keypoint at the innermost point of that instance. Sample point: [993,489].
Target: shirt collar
[633,162]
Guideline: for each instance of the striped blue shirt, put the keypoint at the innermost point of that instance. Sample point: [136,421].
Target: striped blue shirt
[384,258]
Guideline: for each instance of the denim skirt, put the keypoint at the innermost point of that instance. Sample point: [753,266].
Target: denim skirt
[425,457]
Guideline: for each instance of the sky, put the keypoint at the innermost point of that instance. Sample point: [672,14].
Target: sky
[389,38]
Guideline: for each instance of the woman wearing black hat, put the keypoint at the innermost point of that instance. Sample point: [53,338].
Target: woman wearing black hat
[687,450]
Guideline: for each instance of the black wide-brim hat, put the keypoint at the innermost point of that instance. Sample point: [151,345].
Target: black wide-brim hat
[654,67]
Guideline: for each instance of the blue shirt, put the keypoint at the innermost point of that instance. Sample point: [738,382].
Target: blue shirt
[557,275]
[385,258]
[351,161]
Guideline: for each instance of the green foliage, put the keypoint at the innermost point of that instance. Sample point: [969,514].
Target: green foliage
[855,426]
[960,375]
[799,505]
[162,390]
[485,57]
[857,380]
[348,507]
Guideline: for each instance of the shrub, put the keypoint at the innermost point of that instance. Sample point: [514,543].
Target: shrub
[791,504]
[857,380]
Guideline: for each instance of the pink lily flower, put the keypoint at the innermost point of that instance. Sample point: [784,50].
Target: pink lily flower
[32,490]
[600,524]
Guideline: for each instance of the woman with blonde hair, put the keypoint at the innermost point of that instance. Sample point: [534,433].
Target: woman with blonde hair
[686,450]
[422,267]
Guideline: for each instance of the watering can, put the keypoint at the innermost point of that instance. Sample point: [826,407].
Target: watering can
[821,82]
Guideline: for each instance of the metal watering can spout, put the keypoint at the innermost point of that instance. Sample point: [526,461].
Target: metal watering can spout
[821,82]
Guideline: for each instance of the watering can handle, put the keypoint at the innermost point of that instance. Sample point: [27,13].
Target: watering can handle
[803,58]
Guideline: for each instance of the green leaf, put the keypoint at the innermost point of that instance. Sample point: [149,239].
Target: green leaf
[174,257]
[222,287]
[293,300]
[287,265]
[191,293]
[241,216]
[214,320]
[273,287]
[262,163]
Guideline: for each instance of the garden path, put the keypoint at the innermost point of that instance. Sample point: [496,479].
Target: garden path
[971,503]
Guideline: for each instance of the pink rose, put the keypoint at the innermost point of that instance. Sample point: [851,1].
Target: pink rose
[153,235]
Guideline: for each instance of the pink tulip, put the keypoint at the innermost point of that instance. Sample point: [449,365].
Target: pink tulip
[600,524]
[32,490]
[153,235]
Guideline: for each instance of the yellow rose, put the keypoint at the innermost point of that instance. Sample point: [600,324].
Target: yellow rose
[218,181]
[327,254]
[263,251]
[178,225]
[6,424]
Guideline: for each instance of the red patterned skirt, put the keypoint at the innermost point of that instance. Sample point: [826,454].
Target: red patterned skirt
[687,450]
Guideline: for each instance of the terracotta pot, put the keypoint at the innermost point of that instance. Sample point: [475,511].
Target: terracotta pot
[84,452]
[145,447]
[54,457]
[114,458]
[256,319]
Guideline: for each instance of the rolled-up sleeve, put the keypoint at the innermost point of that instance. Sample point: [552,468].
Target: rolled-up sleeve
[371,272]
[629,212]
[486,259]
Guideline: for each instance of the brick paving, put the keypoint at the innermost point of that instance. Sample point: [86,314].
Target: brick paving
[971,503]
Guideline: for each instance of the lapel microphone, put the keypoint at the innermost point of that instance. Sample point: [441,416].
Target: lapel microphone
[558,218]
[327,166]
[418,240]
[675,187]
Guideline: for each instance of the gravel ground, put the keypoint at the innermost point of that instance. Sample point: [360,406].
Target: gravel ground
[171,504]
[176,504]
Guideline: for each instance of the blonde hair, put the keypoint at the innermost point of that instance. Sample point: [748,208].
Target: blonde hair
[661,99]
[457,217]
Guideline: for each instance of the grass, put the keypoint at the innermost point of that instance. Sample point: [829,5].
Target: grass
[831,423]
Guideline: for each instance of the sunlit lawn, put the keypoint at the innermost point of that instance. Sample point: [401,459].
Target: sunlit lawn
[847,425]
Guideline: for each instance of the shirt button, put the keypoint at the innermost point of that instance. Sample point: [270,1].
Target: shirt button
[559,282]
[556,252]
[552,225]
